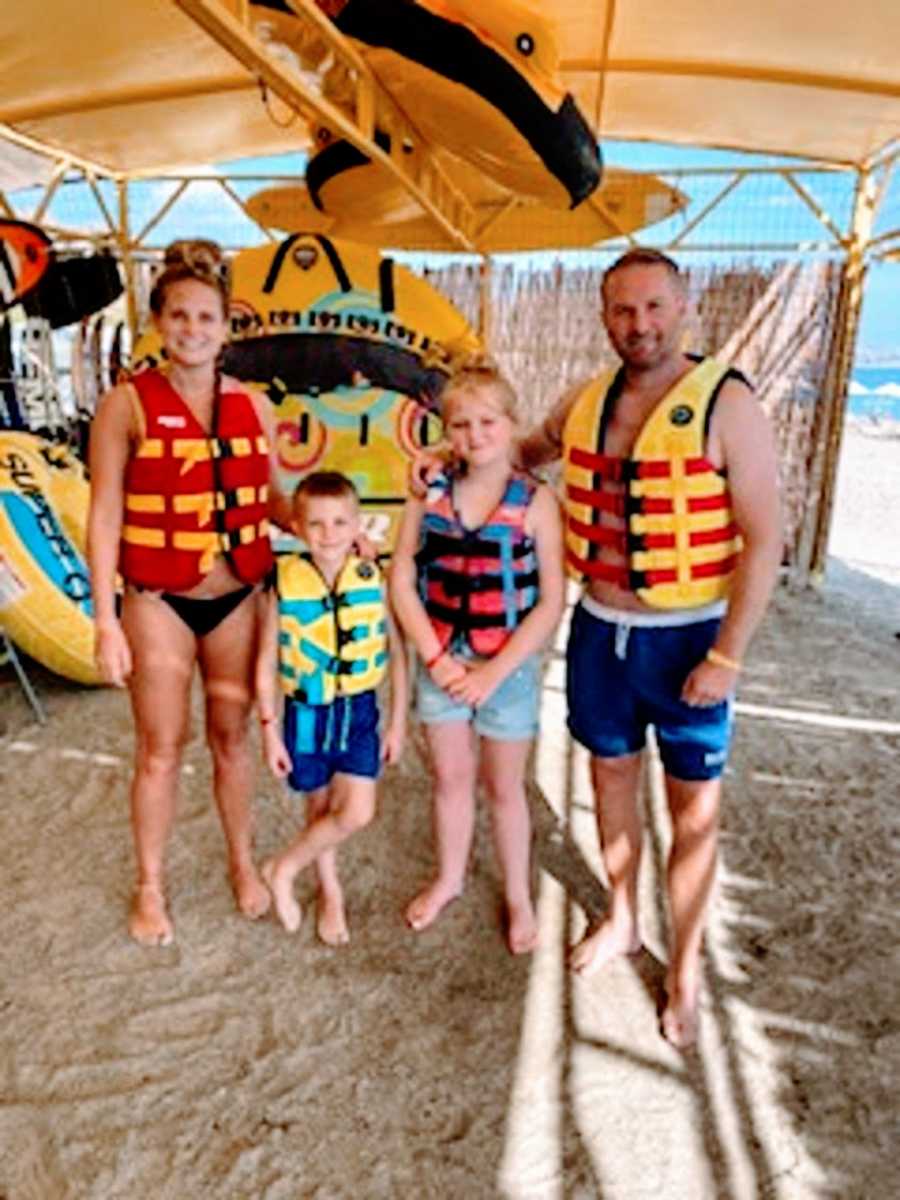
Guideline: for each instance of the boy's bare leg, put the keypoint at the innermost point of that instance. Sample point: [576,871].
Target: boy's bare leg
[503,772]
[351,808]
[331,916]
[454,767]
[615,783]
[226,662]
[694,807]
[163,651]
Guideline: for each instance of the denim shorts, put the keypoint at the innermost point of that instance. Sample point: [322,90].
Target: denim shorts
[325,740]
[622,677]
[510,713]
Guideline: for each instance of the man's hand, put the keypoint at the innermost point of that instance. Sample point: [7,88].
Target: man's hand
[424,469]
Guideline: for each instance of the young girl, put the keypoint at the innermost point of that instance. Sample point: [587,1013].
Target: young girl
[477,585]
[182,463]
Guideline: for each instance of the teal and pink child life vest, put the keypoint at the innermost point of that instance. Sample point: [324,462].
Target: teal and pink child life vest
[477,585]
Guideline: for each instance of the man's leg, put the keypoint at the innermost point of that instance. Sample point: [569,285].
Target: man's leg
[615,783]
[694,808]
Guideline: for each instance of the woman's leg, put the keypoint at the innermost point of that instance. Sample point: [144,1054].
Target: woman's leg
[503,773]
[453,764]
[163,650]
[227,656]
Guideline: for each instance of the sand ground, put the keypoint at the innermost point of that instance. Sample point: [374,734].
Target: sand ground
[242,1063]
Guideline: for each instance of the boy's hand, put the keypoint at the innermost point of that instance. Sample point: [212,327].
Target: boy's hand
[476,684]
[708,684]
[276,753]
[394,738]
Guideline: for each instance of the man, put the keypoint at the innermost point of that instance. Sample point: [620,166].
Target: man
[673,524]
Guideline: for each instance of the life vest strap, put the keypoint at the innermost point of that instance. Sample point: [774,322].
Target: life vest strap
[614,503]
[594,569]
[454,584]
[459,619]
[439,545]
[667,541]
[598,535]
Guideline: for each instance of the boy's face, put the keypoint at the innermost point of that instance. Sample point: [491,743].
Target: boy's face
[329,525]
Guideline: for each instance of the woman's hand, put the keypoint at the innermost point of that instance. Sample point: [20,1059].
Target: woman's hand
[276,753]
[112,653]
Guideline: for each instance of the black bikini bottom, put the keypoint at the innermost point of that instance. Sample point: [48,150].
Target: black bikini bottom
[203,615]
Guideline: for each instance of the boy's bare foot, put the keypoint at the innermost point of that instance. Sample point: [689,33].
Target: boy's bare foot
[595,950]
[250,893]
[331,919]
[678,1019]
[425,908]
[148,920]
[522,929]
[287,909]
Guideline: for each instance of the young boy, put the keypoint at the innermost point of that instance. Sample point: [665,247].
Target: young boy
[328,635]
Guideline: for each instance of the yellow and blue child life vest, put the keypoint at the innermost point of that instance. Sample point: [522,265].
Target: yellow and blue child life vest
[332,641]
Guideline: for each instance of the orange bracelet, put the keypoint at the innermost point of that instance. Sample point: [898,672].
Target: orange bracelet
[435,659]
[722,660]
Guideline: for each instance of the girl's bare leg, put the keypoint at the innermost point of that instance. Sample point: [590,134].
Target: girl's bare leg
[503,772]
[163,650]
[454,766]
[227,656]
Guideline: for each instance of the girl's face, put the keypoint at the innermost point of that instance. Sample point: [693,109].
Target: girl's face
[192,323]
[479,429]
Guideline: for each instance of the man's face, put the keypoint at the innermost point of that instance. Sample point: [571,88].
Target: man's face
[644,309]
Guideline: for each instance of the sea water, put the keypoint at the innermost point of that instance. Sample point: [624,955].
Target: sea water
[874,393]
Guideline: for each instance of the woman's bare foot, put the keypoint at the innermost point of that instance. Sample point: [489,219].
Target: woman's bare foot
[287,909]
[522,929]
[250,892]
[597,949]
[425,908]
[331,919]
[148,920]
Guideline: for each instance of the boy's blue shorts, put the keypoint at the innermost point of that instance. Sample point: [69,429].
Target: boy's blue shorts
[510,713]
[623,677]
[325,740]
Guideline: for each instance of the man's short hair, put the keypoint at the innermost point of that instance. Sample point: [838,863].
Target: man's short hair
[325,483]
[643,256]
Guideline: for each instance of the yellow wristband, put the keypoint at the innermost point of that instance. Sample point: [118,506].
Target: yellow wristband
[722,660]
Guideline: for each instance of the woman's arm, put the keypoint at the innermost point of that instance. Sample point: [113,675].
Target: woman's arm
[280,505]
[268,693]
[112,433]
[545,526]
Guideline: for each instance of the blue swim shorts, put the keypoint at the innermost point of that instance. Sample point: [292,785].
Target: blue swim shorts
[623,675]
[510,713]
[325,740]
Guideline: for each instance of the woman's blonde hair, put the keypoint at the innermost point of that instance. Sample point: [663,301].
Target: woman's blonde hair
[197,258]
[476,373]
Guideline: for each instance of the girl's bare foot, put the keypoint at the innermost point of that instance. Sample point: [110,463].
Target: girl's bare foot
[425,908]
[148,920]
[600,947]
[331,919]
[522,929]
[250,892]
[287,909]
[678,1019]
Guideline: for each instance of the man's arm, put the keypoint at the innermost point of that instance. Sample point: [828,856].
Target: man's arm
[741,439]
[544,443]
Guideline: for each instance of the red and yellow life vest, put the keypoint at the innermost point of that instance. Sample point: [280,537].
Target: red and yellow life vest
[677,544]
[191,496]
[477,584]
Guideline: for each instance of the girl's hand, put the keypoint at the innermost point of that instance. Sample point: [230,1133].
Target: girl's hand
[112,653]
[276,753]
[447,671]
[476,685]
[394,738]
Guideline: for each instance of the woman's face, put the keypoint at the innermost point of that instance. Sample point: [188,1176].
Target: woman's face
[192,323]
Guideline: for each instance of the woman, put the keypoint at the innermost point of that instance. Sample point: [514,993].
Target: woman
[181,467]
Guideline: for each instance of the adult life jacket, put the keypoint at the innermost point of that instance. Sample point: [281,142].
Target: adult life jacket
[477,585]
[678,541]
[332,641]
[191,495]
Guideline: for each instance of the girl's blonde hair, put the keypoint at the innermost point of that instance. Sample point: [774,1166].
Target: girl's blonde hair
[475,374]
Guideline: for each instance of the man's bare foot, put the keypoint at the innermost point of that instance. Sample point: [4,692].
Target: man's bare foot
[287,909]
[425,908]
[148,920]
[597,949]
[678,1019]
[250,893]
[331,919]
[522,929]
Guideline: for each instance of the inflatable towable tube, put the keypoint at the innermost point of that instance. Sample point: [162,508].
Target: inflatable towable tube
[45,597]
[480,80]
[353,351]
[25,254]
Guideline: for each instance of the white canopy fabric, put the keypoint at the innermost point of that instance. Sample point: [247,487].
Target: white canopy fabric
[136,86]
